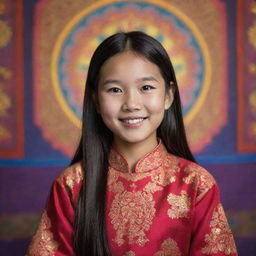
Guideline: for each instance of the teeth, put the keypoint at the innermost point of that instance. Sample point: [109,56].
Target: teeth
[133,121]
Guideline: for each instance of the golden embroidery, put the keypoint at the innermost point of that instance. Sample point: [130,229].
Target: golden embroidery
[169,248]
[117,161]
[163,175]
[6,33]
[166,174]
[150,161]
[113,184]
[220,238]
[71,176]
[130,253]
[180,205]
[133,186]
[164,178]
[112,176]
[200,178]
[43,243]
[191,178]
[131,176]
[152,187]
[132,214]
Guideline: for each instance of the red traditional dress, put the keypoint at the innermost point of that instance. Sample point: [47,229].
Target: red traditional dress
[167,206]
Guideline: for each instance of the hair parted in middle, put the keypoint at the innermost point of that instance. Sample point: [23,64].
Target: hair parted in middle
[96,140]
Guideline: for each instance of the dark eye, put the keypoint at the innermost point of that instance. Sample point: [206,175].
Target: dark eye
[147,87]
[114,90]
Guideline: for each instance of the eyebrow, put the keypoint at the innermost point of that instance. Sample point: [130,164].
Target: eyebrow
[116,81]
[112,81]
[147,78]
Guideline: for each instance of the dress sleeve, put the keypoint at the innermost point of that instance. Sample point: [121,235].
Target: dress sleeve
[54,235]
[211,233]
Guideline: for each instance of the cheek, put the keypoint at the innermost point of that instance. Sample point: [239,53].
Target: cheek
[155,104]
[108,107]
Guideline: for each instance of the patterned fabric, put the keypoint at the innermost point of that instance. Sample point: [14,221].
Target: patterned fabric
[167,206]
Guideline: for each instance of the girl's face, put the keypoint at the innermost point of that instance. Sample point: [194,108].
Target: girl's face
[132,98]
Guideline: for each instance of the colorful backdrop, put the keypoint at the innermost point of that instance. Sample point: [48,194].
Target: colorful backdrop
[45,49]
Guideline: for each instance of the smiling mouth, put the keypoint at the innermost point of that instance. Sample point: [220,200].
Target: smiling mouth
[133,120]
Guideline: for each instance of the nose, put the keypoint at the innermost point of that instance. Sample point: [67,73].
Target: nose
[132,102]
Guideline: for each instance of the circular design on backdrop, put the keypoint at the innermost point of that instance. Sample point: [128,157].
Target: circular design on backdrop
[61,57]
[180,37]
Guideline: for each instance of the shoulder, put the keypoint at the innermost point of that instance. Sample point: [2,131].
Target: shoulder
[71,177]
[193,174]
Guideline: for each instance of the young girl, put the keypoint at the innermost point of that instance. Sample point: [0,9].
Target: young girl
[133,187]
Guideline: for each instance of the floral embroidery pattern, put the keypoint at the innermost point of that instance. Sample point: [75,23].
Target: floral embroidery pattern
[164,178]
[43,243]
[148,162]
[132,214]
[130,253]
[180,205]
[71,176]
[220,238]
[169,248]
[200,179]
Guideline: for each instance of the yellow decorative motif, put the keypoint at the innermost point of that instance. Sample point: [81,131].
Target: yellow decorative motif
[152,160]
[5,103]
[200,178]
[220,238]
[253,7]
[130,177]
[130,253]
[252,101]
[133,186]
[253,128]
[5,73]
[169,248]
[5,33]
[72,176]
[131,214]
[252,34]
[4,133]
[2,7]
[180,205]
[43,243]
[252,69]
[152,187]
[163,177]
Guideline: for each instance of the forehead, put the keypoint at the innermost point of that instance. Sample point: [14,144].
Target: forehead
[129,65]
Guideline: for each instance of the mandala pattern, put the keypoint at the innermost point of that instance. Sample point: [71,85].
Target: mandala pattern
[59,80]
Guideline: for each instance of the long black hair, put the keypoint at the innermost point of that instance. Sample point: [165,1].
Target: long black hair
[89,226]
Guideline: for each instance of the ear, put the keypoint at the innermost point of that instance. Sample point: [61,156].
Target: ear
[168,96]
[96,102]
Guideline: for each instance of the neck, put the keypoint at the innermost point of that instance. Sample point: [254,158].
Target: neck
[133,152]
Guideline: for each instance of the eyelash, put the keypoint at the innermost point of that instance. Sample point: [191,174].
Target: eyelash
[114,90]
[143,88]
[147,87]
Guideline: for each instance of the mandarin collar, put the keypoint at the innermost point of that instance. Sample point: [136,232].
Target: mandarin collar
[150,161]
